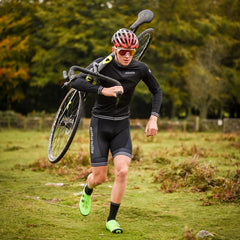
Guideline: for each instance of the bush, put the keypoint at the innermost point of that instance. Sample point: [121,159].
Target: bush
[187,174]
[199,178]
[75,166]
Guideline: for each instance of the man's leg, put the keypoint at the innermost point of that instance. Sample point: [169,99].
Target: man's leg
[97,177]
[121,165]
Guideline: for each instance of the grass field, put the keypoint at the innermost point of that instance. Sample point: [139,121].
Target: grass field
[178,184]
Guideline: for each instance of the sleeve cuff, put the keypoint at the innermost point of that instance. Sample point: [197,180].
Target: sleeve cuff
[155,114]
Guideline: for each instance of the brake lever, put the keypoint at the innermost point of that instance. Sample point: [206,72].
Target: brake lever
[95,67]
[119,94]
[69,77]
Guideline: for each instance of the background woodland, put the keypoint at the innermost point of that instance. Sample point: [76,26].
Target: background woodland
[195,54]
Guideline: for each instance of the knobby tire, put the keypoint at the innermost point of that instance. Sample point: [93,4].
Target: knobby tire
[65,125]
[145,39]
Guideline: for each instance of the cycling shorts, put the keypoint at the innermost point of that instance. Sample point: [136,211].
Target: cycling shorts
[108,135]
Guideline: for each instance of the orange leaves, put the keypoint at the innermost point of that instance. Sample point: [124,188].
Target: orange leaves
[14,48]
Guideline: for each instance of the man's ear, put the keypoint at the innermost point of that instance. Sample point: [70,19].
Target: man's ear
[113,49]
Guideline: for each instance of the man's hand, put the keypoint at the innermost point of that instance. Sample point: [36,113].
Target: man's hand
[112,91]
[151,128]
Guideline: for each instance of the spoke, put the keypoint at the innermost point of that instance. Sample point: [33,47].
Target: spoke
[65,124]
[142,45]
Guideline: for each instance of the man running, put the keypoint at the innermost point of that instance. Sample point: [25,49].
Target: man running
[110,127]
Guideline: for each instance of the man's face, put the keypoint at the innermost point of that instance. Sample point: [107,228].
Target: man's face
[123,55]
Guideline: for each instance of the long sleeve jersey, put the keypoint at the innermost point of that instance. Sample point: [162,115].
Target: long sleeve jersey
[129,76]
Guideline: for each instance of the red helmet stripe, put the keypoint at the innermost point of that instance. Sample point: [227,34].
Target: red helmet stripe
[123,38]
[130,40]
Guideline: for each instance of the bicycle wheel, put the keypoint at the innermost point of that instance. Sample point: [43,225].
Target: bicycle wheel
[144,39]
[65,125]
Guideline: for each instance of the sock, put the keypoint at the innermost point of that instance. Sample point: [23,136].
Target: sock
[113,211]
[88,190]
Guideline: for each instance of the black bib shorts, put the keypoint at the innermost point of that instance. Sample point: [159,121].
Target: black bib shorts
[105,135]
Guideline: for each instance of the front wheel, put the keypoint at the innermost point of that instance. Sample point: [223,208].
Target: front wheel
[65,125]
[145,39]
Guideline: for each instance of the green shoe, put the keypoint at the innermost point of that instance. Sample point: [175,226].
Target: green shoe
[113,226]
[85,203]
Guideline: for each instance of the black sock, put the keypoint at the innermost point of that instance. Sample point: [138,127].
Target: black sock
[88,190]
[113,211]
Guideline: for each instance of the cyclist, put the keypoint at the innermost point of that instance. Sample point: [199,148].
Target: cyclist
[109,127]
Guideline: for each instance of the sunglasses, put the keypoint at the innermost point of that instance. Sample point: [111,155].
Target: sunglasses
[123,52]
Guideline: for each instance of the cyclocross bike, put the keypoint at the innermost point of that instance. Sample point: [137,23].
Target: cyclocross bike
[68,115]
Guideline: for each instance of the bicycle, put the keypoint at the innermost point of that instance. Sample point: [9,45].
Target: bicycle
[69,113]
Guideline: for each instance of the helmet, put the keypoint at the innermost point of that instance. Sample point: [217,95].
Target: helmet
[125,38]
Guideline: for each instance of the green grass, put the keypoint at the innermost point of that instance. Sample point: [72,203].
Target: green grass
[32,210]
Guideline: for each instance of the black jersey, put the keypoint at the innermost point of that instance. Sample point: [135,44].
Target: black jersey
[129,76]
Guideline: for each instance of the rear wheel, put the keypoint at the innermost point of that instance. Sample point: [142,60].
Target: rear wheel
[144,39]
[65,125]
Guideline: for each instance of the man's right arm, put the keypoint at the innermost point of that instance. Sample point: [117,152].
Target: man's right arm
[82,84]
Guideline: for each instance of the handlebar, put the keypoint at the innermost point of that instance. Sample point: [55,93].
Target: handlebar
[72,76]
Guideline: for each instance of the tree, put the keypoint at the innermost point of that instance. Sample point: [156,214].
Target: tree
[68,33]
[207,80]
[14,48]
[203,81]
[176,40]
[231,62]
[196,42]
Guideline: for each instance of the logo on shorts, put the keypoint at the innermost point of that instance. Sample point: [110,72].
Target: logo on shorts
[91,141]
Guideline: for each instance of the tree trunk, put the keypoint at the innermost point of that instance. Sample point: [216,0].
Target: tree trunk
[203,112]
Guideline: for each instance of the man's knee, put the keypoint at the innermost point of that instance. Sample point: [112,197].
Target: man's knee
[98,175]
[122,172]
[99,179]
[121,166]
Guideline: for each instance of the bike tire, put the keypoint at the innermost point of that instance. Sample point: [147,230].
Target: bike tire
[65,125]
[145,39]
